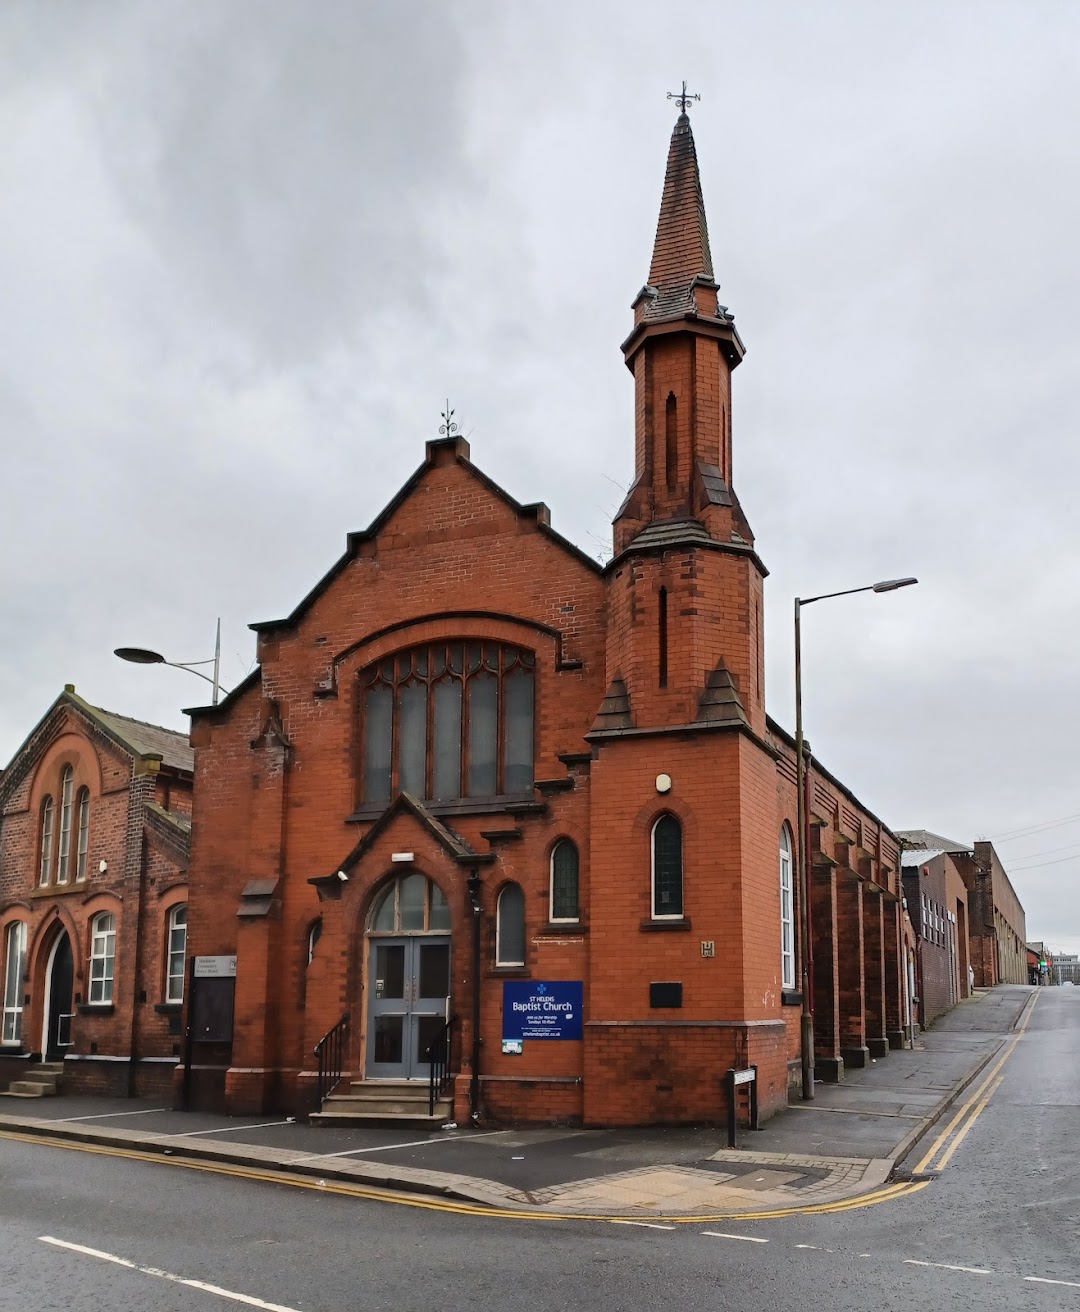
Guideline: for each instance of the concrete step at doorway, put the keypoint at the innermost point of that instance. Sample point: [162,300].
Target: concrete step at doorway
[387,1102]
[26,1089]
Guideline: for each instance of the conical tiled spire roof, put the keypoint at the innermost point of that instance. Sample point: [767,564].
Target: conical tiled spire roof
[681,253]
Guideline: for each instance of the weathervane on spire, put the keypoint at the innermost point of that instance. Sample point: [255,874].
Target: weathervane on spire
[447,428]
[682,98]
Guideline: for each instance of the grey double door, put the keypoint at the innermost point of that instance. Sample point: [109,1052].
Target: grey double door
[408,990]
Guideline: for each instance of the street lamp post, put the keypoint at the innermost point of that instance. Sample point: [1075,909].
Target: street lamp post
[807,1018]
[144,656]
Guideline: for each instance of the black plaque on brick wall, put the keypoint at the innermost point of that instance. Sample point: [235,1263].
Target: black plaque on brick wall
[665,995]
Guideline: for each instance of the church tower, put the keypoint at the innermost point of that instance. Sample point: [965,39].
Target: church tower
[684,907]
[686,594]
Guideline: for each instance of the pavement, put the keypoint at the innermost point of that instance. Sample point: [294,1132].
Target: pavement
[847,1142]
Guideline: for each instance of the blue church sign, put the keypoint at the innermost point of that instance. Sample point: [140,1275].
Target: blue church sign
[542,1009]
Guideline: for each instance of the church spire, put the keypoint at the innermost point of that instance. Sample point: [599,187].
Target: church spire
[681,253]
[682,351]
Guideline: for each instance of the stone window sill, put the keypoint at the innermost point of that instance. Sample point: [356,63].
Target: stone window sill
[673,926]
[790,998]
[169,1008]
[95,1008]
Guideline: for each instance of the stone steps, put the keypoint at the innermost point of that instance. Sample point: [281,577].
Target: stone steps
[40,1080]
[383,1102]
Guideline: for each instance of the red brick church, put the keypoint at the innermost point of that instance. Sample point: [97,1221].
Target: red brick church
[491,811]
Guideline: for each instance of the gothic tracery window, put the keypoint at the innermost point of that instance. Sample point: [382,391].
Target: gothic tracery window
[448,720]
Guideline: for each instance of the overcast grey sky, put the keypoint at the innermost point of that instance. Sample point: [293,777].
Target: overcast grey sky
[247,248]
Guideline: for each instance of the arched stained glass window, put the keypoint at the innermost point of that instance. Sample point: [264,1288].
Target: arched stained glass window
[667,869]
[564,881]
[447,721]
[411,904]
[510,927]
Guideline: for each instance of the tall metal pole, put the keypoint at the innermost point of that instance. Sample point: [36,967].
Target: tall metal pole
[477,911]
[807,1019]
[217,663]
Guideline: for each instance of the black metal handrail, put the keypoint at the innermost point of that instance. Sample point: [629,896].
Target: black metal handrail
[437,1054]
[330,1051]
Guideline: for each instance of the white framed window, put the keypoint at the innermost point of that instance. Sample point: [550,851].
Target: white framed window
[510,927]
[102,957]
[47,818]
[67,799]
[82,807]
[787,911]
[667,869]
[564,882]
[174,981]
[14,969]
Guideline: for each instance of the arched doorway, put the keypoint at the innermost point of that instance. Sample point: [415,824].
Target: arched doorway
[408,977]
[59,982]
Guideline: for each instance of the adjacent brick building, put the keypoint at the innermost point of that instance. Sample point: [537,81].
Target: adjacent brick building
[477,774]
[997,926]
[94,830]
[937,899]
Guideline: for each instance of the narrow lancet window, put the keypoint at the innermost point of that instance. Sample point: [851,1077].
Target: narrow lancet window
[662,637]
[671,434]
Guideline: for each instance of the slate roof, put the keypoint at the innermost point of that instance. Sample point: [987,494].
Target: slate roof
[670,533]
[143,739]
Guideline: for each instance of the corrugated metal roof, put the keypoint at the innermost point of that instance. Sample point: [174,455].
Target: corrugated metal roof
[918,856]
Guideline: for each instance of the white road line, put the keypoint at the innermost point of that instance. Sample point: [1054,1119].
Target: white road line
[746,1239]
[389,1147]
[227,1129]
[104,1116]
[944,1266]
[167,1275]
[647,1225]
[813,1246]
[1042,1280]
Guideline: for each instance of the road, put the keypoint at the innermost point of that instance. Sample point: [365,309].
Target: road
[998,1228]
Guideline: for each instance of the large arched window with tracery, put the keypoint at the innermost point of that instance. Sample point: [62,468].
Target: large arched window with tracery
[448,720]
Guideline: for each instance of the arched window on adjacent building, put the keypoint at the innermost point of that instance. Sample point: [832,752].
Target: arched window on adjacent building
[313,936]
[564,881]
[14,970]
[448,720]
[510,927]
[102,957]
[787,911]
[47,818]
[82,808]
[67,798]
[667,869]
[174,981]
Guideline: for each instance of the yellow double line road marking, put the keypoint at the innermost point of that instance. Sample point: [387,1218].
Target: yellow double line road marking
[459,1207]
[957,1130]
[944,1146]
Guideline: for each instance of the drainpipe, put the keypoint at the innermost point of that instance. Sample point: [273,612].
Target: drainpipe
[477,912]
[136,995]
